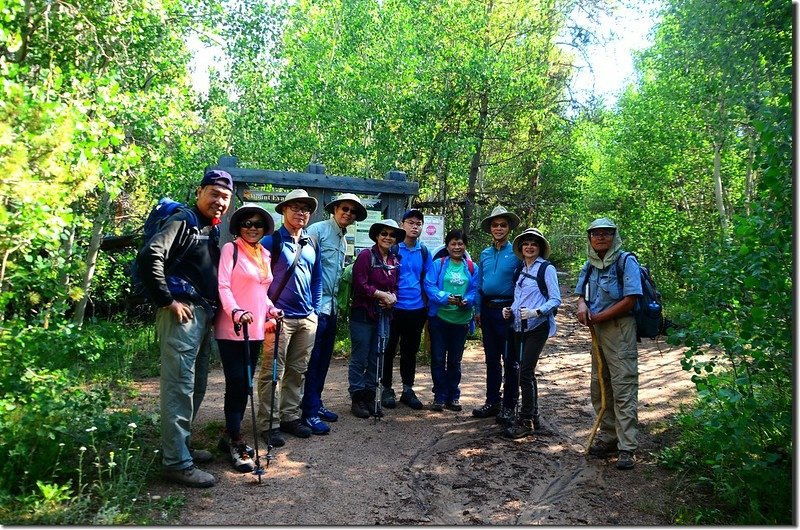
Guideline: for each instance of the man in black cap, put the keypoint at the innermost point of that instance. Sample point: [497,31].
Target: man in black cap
[187,297]
[409,314]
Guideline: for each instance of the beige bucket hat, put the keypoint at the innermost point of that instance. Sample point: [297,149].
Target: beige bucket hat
[298,195]
[246,210]
[531,233]
[375,229]
[361,212]
[499,211]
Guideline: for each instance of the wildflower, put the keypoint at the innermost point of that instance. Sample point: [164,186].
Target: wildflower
[82,449]
[132,425]
[91,429]
[61,444]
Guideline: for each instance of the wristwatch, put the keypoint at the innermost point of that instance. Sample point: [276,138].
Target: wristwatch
[538,313]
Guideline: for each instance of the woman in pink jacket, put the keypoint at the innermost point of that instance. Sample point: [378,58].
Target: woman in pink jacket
[244,277]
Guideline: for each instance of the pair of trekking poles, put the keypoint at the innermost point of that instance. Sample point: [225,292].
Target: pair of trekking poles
[520,344]
[259,471]
[383,337]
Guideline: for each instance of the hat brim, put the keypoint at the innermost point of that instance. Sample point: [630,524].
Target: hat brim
[544,245]
[375,229]
[310,201]
[361,211]
[513,221]
[244,212]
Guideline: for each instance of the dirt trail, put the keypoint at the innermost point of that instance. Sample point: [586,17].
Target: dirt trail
[448,468]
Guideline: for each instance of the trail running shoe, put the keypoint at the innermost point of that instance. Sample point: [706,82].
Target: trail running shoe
[454,405]
[486,410]
[316,425]
[241,461]
[327,415]
[191,476]
[388,398]
[410,399]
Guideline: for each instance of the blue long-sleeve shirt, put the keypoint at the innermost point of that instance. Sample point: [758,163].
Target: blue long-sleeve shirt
[303,291]
[333,247]
[497,268]
[409,289]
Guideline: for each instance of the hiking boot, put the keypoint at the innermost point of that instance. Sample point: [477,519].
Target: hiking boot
[275,438]
[410,399]
[241,461]
[625,460]
[388,398]
[316,425]
[505,417]
[191,476]
[296,428]
[327,415]
[454,405]
[522,429]
[603,449]
[486,410]
[201,456]
[438,406]
[224,445]
[359,409]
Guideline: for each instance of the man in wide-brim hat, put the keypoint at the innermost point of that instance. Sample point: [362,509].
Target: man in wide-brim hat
[498,263]
[331,233]
[297,290]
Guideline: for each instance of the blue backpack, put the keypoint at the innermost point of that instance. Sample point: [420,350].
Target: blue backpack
[157,218]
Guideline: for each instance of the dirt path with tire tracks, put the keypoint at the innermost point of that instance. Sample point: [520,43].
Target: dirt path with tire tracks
[448,468]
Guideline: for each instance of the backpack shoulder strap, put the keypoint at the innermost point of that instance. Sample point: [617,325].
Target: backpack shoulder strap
[470,267]
[586,270]
[425,254]
[275,250]
[540,279]
[235,254]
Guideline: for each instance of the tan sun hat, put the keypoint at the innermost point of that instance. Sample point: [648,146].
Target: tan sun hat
[298,195]
[499,211]
[374,230]
[361,212]
[531,233]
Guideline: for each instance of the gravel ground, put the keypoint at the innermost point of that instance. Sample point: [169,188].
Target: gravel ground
[448,468]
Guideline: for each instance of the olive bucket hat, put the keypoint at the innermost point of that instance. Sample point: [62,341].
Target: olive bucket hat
[361,211]
[246,210]
[499,211]
[532,233]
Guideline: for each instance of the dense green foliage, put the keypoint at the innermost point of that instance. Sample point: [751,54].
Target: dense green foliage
[470,100]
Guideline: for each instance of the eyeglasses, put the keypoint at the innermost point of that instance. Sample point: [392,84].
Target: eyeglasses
[602,233]
[252,224]
[386,234]
[299,208]
[347,209]
[499,225]
[412,223]
[530,243]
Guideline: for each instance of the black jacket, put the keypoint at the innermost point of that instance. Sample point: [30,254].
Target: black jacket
[198,265]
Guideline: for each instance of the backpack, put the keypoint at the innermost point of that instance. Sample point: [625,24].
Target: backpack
[470,266]
[648,310]
[539,279]
[159,215]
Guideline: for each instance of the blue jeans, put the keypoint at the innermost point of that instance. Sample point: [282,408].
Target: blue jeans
[185,352]
[447,349]
[238,381]
[318,365]
[494,329]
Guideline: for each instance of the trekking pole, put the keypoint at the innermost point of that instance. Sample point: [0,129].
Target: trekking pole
[269,456]
[382,332]
[520,349]
[597,353]
[257,471]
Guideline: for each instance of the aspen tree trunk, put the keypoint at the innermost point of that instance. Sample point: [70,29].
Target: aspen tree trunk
[91,256]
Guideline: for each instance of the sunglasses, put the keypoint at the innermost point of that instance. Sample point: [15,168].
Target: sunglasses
[499,225]
[253,224]
[299,208]
[347,209]
[386,234]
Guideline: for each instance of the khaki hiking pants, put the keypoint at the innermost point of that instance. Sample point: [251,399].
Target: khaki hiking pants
[621,377]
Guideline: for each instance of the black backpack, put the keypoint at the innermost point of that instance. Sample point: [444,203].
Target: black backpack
[539,279]
[648,310]
[159,215]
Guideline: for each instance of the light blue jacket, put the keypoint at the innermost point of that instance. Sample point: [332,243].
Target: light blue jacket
[434,282]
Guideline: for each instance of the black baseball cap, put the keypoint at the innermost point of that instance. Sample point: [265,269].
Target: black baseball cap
[217,177]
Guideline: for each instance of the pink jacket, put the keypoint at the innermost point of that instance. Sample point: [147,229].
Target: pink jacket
[241,287]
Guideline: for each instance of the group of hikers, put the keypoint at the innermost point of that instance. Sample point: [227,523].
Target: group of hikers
[272,293]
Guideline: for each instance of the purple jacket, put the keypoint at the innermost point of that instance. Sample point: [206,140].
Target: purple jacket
[368,279]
